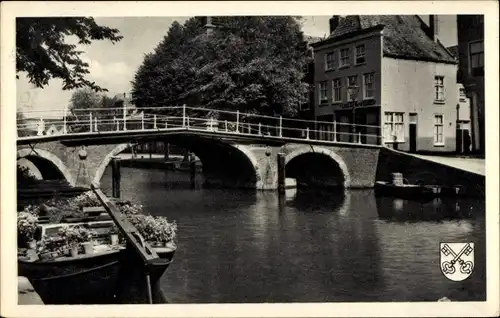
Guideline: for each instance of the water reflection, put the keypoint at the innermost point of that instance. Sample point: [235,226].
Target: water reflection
[308,245]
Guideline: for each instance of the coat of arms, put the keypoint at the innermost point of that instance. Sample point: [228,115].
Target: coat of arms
[457,260]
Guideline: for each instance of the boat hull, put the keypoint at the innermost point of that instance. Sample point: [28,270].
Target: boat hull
[85,280]
[404,192]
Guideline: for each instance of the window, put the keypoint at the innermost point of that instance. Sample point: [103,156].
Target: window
[337,90]
[352,81]
[439,88]
[360,54]
[476,53]
[329,61]
[323,97]
[344,57]
[394,127]
[369,86]
[462,94]
[438,130]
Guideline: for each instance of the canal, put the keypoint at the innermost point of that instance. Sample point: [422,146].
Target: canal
[237,246]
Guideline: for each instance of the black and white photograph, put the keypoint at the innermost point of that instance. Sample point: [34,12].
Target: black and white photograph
[292,157]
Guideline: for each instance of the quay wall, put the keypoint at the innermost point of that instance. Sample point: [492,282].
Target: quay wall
[420,170]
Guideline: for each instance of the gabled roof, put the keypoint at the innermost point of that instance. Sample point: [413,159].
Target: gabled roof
[405,36]
[453,50]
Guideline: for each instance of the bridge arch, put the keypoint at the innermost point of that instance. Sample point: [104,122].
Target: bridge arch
[46,157]
[105,162]
[243,151]
[322,151]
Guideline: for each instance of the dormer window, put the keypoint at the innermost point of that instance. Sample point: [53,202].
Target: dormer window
[360,54]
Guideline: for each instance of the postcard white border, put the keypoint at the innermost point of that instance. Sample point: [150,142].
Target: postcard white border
[9,10]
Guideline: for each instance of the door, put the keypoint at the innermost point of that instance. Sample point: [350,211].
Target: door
[463,138]
[413,133]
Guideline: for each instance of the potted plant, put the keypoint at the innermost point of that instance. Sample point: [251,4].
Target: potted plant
[113,235]
[74,236]
[71,236]
[27,224]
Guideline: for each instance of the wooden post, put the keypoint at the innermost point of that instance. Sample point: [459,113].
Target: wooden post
[95,124]
[359,137]
[225,124]
[90,121]
[237,121]
[192,170]
[166,123]
[260,129]
[154,122]
[142,120]
[115,176]
[249,129]
[281,173]
[167,150]
[307,133]
[334,131]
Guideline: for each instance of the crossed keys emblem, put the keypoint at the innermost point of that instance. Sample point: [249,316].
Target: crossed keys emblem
[457,266]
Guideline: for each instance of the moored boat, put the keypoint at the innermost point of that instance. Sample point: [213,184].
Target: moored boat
[81,279]
[404,191]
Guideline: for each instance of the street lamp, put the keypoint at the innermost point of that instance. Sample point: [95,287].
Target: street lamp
[352,91]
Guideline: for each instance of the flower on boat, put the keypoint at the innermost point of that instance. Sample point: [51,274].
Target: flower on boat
[86,199]
[27,224]
[155,228]
[51,244]
[75,235]
[128,207]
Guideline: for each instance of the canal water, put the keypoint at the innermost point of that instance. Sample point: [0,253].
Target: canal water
[238,246]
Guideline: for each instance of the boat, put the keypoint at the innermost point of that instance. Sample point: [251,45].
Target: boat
[404,191]
[93,278]
[81,279]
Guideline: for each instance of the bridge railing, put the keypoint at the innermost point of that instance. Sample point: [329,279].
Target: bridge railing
[108,120]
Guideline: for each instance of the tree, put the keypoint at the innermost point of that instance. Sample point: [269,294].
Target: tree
[41,50]
[252,64]
[84,102]
[85,99]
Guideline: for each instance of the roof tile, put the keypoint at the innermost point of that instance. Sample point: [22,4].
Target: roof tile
[405,36]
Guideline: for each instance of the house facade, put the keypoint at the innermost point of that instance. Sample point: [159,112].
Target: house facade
[470,29]
[390,76]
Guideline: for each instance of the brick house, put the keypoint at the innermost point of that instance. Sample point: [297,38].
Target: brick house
[400,78]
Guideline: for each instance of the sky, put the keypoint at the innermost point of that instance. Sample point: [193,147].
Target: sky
[113,65]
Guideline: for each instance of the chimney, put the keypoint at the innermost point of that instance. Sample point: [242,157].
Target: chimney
[334,22]
[434,27]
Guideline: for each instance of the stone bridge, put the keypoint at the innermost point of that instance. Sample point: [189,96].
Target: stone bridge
[225,163]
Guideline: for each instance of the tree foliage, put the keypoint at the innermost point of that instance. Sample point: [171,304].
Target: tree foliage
[42,51]
[252,64]
[84,102]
